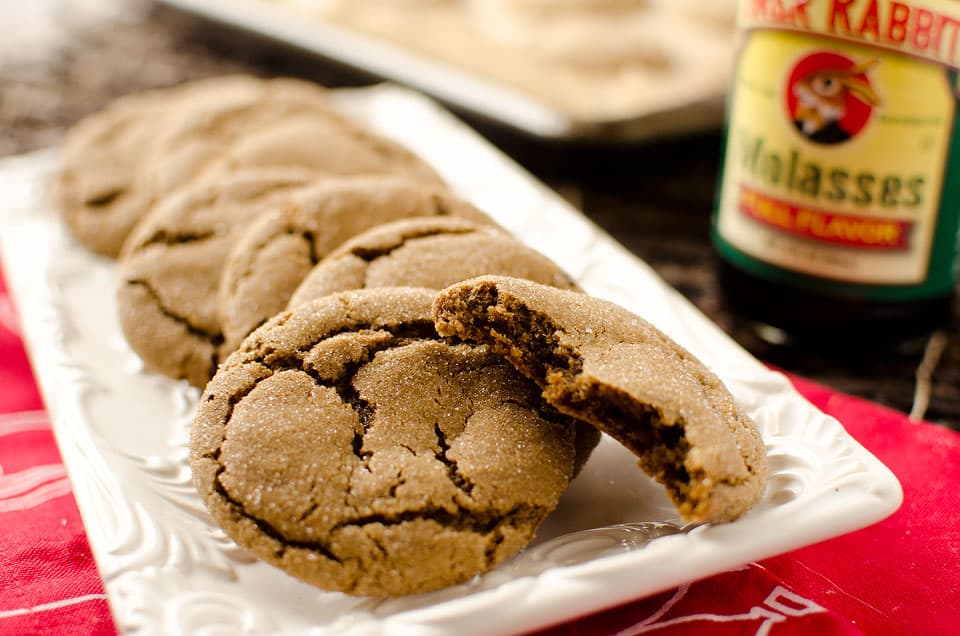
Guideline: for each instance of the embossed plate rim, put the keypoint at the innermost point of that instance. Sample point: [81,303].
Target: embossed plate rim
[167,569]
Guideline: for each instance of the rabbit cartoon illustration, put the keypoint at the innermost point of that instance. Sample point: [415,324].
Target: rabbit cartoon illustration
[822,100]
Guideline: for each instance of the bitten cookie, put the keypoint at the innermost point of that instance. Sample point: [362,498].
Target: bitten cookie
[171,264]
[348,444]
[426,252]
[99,188]
[598,362]
[275,254]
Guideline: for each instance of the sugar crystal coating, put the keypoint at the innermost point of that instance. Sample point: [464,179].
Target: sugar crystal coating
[348,444]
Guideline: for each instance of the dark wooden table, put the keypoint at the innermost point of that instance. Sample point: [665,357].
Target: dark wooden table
[654,197]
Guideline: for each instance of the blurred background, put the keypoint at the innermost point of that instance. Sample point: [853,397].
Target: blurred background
[633,137]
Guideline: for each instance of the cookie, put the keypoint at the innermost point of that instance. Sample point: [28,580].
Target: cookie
[276,253]
[98,187]
[123,162]
[288,124]
[348,444]
[171,264]
[598,362]
[426,252]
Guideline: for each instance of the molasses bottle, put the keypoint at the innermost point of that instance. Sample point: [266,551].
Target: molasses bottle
[839,197]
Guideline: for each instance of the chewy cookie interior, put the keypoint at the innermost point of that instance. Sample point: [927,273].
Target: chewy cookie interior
[530,340]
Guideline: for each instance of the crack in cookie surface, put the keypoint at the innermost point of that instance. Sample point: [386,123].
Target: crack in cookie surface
[370,254]
[170,237]
[214,338]
[103,200]
[268,263]
[166,340]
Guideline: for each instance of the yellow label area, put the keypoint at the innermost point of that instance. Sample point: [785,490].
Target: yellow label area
[835,158]
[924,28]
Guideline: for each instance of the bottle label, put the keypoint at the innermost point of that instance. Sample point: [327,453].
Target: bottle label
[838,148]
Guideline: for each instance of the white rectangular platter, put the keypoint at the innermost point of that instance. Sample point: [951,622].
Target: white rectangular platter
[416,51]
[123,434]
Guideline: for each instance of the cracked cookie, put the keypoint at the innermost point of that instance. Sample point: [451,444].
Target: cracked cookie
[426,252]
[288,124]
[123,161]
[600,363]
[348,444]
[99,189]
[171,264]
[277,251]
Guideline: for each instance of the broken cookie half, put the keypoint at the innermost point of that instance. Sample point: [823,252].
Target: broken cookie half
[600,363]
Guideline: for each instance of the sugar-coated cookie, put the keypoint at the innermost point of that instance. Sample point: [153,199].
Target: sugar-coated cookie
[598,362]
[348,444]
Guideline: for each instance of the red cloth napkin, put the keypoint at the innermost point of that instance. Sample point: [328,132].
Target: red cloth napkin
[49,583]
[897,577]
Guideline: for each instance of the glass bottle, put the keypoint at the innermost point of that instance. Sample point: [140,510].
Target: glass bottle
[839,196]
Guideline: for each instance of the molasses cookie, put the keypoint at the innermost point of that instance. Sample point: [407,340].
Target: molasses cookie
[275,254]
[426,252]
[171,264]
[288,124]
[600,363]
[348,444]
[99,188]
[120,163]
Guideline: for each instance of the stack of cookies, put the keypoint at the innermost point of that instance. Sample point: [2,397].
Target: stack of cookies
[396,392]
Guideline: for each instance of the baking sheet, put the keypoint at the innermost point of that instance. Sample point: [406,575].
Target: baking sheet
[671,80]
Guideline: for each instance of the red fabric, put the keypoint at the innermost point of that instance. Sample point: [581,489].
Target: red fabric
[49,583]
[897,577]
[901,576]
